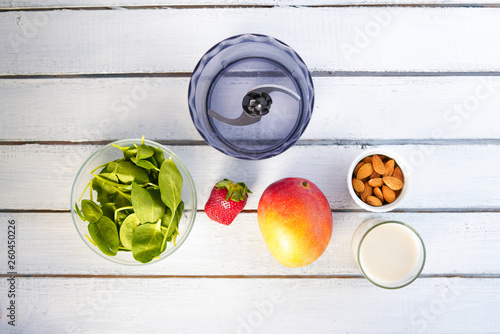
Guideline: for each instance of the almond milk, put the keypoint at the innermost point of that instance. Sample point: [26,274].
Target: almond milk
[390,254]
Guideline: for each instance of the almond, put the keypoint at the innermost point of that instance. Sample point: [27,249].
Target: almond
[378,165]
[389,194]
[374,175]
[377,182]
[365,180]
[365,171]
[389,168]
[397,173]
[358,185]
[367,159]
[377,192]
[358,166]
[367,192]
[374,201]
[393,183]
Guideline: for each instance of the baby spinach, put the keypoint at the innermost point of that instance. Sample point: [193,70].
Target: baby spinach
[146,164]
[91,211]
[147,242]
[127,230]
[159,157]
[106,178]
[170,223]
[121,199]
[147,204]
[170,182]
[77,209]
[127,172]
[122,213]
[108,209]
[143,152]
[103,190]
[105,235]
[123,149]
[136,196]
[173,229]
[131,152]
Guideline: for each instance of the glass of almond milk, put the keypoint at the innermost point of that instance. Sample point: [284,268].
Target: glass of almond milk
[390,254]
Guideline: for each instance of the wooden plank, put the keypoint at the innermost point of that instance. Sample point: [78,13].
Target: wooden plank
[172,40]
[394,107]
[456,244]
[443,176]
[23,4]
[62,305]
[27,4]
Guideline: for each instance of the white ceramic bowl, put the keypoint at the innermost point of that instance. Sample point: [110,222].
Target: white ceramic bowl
[406,179]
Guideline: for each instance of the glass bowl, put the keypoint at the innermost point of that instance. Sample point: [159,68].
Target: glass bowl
[251,96]
[374,244]
[109,153]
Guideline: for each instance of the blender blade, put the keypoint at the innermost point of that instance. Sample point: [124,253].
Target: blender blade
[245,117]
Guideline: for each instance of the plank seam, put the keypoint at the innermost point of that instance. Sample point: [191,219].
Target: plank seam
[317,74]
[253,211]
[364,143]
[468,276]
[242,6]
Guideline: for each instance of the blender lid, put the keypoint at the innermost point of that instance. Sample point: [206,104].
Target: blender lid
[251,96]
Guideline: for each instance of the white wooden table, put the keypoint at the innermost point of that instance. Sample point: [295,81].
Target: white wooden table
[418,77]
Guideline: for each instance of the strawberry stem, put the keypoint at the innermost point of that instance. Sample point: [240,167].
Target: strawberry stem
[236,191]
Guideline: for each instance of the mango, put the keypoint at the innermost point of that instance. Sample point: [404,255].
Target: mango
[295,221]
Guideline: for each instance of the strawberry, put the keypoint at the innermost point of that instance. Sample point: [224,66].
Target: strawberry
[226,200]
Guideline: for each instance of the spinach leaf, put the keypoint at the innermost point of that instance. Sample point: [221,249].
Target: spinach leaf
[170,223]
[103,190]
[108,188]
[152,160]
[106,178]
[130,153]
[91,211]
[170,182]
[121,200]
[122,213]
[105,235]
[127,230]
[167,218]
[180,210]
[143,152]
[172,226]
[108,210]
[147,204]
[147,242]
[127,172]
[79,212]
[158,156]
[123,149]
[146,165]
